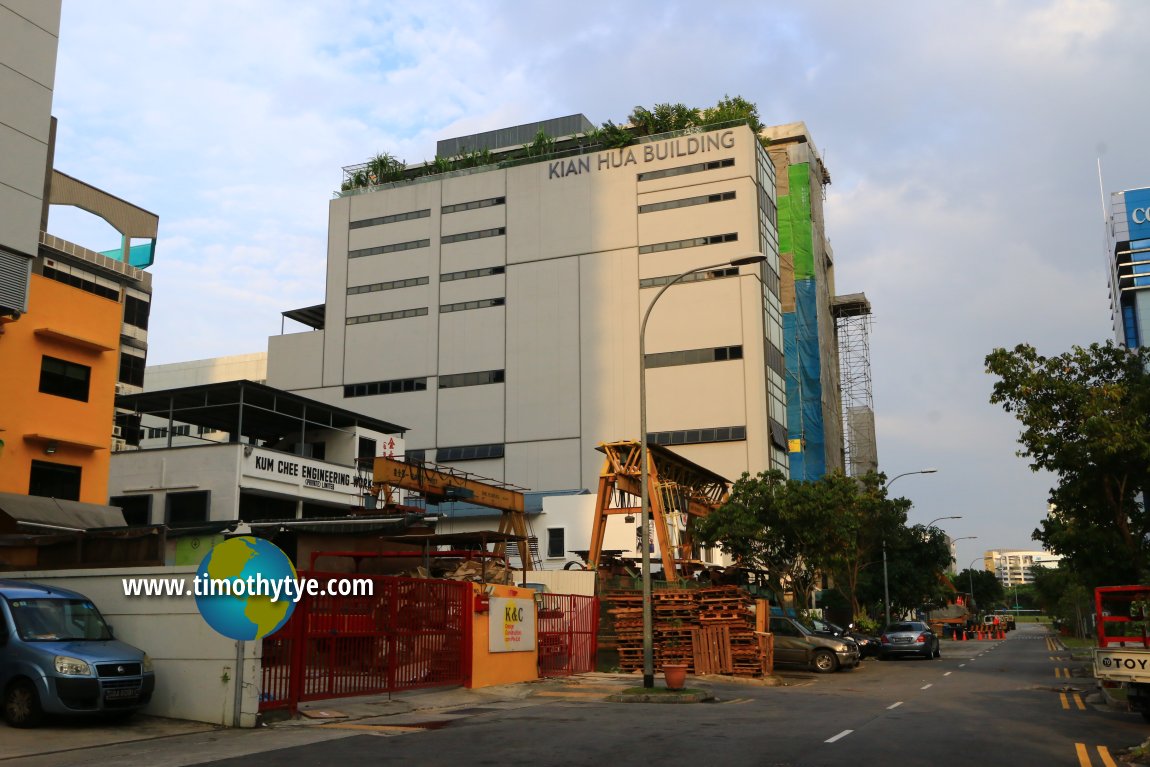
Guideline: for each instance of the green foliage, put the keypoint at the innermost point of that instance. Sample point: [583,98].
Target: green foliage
[384,168]
[613,136]
[732,108]
[541,145]
[1086,417]
[796,531]
[663,119]
[987,588]
[1061,595]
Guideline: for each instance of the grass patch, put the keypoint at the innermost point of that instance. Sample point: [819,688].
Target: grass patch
[1077,643]
[660,691]
[1032,619]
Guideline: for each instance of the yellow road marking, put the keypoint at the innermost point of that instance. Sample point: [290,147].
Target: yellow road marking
[1065,672]
[1104,753]
[1065,702]
[1078,702]
[1057,673]
[1083,754]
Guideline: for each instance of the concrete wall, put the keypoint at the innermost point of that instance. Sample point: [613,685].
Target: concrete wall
[197,670]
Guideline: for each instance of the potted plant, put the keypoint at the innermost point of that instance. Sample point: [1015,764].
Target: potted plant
[674,669]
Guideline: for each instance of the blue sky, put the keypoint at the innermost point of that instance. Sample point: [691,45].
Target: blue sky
[962,139]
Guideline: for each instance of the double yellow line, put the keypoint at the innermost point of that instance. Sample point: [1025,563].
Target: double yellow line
[1067,698]
[1084,756]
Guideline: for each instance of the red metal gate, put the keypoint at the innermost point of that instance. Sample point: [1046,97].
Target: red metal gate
[568,630]
[409,633]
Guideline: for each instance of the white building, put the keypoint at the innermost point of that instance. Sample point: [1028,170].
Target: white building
[496,310]
[275,455]
[1013,567]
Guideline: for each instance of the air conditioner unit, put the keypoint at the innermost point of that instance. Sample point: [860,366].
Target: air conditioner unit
[117,431]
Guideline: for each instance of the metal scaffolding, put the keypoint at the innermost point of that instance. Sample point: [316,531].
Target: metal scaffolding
[852,326]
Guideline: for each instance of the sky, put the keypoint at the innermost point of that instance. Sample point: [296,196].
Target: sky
[963,141]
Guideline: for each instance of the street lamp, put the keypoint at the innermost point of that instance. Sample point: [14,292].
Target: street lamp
[942,518]
[970,575]
[885,578]
[644,469]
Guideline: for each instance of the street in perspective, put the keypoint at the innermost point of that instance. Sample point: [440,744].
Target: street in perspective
[479,382]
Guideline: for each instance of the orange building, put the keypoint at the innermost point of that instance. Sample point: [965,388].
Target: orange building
[61,361]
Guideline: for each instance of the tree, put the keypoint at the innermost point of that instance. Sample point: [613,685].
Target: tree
[732,108]
[761,528]
[987,588]
[1086,418]
[663,118]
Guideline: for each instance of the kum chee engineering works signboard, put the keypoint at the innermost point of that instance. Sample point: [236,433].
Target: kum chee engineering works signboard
[511,627]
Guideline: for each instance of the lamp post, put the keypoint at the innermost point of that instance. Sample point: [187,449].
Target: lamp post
[885,578]
[644,469]
[970,575]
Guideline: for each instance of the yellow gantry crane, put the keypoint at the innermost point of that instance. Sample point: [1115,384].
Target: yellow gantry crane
[676,485]
[440,483]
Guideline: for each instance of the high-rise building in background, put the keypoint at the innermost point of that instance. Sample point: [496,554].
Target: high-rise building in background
[1128,260]
[496,309]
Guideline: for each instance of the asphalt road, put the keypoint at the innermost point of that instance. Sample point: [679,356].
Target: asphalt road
[1007,702]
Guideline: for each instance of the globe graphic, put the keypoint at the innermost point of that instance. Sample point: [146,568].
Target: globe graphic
[245,616]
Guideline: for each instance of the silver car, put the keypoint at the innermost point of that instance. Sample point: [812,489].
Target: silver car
[908,638]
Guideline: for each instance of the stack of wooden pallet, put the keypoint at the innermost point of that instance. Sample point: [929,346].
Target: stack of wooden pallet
[626,611]
[730,607]
[674,618]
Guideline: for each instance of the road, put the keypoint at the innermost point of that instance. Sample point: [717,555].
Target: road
[1011,701]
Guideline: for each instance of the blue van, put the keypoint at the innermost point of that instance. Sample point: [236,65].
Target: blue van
[57,655]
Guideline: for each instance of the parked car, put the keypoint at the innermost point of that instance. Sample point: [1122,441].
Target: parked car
[795,644]
[869,646]
[57,655]
[908,638]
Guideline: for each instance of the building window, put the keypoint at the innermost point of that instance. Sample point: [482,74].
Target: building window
[687,202]
[137,508]
[465,305]
[474,204]
[136,312]
[394,217]
[396,386]
[64,379]
[682,169]
[55,480]
[471,379]
[698,436]
[393,285]
[187,509]
[157,432]
[694,242]
[393,248]
[415,455]
[775,359]
[468,453]
[385,316]
[365,448]
[693,356]
[713,274]
[468,274]
[89,285]
[778,434]
[556,548]
[476,235]
[131,369]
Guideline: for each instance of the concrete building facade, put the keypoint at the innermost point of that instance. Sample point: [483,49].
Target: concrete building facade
[1014,567]
[496,311]
[73,321]
[1128,262]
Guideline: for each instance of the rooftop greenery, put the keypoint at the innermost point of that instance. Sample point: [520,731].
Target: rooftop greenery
[385,168]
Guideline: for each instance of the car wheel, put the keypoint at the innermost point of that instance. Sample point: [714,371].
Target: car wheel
[22,704]
[938,651]
[825,661]
[929,654]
